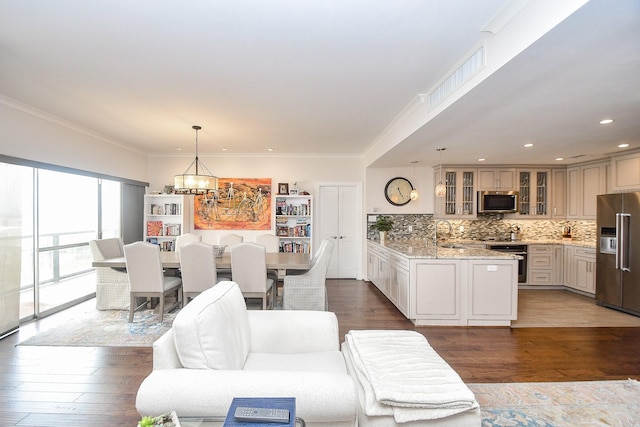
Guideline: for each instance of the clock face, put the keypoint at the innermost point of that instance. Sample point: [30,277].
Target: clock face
[398,191]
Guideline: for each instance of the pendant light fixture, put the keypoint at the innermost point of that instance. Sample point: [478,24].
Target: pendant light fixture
[414,193]
[441,189]
[197,182]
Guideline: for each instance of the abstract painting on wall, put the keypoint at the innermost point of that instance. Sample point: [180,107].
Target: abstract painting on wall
[239,204]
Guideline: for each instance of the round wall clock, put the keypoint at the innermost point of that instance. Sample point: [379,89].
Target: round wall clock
[398,191]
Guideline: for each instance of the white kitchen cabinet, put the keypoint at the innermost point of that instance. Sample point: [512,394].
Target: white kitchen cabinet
[585,270]
[497,179]
[557,272]
[451,291]
[584,183]
[389,272]
[569,266]
[533,188]
[625,173]
[437,286]
[492,294]
[540,264]
[399,282]
[545,265]
[372,257]
[558,196]
[460,198]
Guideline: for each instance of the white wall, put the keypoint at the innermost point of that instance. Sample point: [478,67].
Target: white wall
[32,135]
[377,178]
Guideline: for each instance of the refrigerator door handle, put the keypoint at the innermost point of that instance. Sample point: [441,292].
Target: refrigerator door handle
[618,247]
[624,242]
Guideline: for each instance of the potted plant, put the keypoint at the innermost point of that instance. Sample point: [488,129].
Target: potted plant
[383,224]
[165,420]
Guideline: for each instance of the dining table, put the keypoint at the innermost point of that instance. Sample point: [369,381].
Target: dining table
[275,261]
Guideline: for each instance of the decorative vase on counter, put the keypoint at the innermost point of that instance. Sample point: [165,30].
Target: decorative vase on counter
[383,235]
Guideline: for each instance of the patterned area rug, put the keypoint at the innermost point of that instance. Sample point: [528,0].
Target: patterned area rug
[586,403]
[107,328]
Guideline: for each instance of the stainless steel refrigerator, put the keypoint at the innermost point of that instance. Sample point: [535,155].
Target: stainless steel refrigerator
[618,254]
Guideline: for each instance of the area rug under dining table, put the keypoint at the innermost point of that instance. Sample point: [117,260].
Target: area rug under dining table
[105,328]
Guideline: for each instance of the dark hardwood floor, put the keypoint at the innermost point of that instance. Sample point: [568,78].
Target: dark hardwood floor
[89,386]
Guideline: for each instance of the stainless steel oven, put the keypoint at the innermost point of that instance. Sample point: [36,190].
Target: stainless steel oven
[516,250]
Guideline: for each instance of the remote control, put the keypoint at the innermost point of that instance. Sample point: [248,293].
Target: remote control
[256,415]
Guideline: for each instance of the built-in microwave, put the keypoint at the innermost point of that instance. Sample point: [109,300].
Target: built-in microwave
[497,201]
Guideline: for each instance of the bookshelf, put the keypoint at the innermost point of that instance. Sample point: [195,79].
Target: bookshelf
[294,223]
[166,216]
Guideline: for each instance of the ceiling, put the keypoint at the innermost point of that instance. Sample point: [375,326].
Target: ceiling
[321,76]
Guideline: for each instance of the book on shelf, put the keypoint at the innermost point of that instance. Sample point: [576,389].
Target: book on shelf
[172,229]
[288,403]
[154,228]
[165,209]
[293,210]
[294,247]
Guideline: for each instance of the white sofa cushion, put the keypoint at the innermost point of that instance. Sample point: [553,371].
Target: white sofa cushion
[212,331]
[324,361]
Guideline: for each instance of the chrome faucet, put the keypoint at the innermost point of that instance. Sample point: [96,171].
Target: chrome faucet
[435,230]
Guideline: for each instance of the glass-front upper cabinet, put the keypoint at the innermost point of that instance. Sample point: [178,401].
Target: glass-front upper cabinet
[459,200]
[533,186]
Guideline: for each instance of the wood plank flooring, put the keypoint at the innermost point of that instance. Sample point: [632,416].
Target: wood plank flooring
[81,386]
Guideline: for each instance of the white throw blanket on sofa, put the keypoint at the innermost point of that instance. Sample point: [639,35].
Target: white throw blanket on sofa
[402,374]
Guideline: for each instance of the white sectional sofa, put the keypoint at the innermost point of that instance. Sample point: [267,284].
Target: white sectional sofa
[218,350]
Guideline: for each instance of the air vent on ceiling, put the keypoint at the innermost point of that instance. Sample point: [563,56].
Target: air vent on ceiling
[577,156]
[458,77]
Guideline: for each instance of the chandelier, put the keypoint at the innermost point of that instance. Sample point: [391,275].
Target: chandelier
[197,182]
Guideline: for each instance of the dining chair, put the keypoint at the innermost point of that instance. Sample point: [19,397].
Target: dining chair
[112,285]
[198,266]
[308,291]
[147,278]
[249,271]
[185,239]
[271,242]
[229,240]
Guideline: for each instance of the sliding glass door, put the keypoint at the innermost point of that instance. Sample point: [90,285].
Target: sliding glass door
[67,220]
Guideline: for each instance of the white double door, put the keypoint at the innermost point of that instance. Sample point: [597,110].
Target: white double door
[339,215]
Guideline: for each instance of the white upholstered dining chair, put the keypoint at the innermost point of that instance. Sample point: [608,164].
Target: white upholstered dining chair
[112,285]
[271,242]
[198,266]
[185,239]
[229,240]
[308,291]
[249,271]
[147,278]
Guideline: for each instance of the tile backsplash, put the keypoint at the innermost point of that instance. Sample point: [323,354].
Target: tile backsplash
[486,227]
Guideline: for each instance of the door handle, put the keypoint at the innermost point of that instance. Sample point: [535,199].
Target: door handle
[334,237]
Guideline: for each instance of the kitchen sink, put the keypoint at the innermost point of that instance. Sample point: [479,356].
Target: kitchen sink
[451,245]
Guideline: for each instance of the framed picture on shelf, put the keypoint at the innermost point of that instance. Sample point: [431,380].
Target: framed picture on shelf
[283,188]
[293,192]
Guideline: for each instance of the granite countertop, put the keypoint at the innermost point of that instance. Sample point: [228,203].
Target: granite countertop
[465,249]
[422,249]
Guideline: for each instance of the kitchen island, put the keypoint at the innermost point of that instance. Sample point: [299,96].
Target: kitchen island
[446,285]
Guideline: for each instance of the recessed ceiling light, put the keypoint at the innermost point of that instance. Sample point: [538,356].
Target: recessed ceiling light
[269,149]
[528,145]
[623,145]
[224,149]
[178,148]
[559,158]
[606,121]
[481,160]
